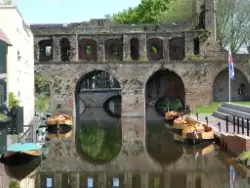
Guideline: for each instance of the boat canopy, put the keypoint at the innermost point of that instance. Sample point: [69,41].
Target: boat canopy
[23,147]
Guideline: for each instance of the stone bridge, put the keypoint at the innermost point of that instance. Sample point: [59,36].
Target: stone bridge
[199,81]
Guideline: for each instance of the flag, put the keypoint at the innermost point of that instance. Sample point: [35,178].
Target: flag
[231,65]
[232,177]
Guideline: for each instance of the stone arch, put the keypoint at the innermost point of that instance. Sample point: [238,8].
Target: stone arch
[46,50]
[134,49]
[114,49]
[177,48]
[155,49]
[164,84]
[87,49]
[93,88]
[240,89]
[65,49]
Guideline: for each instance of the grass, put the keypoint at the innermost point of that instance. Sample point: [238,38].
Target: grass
[244,155]
[208,109]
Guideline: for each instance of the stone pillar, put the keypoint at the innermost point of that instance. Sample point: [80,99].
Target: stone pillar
[144,180]
[74,48]
[128,180]
[167,180]
[75,180]
[189,44]
[166,49]
[101,51]
[143,47]
[126,48]
[133,99]
[56,49]
[190,181]
[57,178]
[210,17]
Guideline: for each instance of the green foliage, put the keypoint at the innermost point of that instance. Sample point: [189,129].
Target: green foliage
[170,104]
[13,101]
[98,143]
[204,34]
[244,156]
[148,11]
[14,184]
[41,84]
[193,57]
[3,116]
[41,103]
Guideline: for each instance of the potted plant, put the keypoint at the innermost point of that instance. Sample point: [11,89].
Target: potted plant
[13,103]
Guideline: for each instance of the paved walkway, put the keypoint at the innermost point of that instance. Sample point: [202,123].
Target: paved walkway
[213,122]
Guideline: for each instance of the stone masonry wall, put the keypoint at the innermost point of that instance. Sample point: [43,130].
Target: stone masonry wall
[197,77]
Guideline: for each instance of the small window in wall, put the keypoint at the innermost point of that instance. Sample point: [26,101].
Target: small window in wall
[196,46]
[90,182]
[114,49]
[116,182]
[49,182]
[100,23]
[48,51]
[155,48]
[88,49]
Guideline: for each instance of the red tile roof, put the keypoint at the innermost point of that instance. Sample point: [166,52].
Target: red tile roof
[4,38]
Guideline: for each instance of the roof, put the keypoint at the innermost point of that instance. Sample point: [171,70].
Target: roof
[4,38]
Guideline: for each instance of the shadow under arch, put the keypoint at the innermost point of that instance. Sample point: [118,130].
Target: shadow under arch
[98,135]
[240,89]
[163,83]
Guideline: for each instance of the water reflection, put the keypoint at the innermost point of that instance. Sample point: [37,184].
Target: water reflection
[98,139]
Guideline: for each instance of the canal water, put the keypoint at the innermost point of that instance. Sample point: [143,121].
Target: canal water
[107,152]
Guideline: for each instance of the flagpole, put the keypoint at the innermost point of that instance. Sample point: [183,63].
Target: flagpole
[229,85]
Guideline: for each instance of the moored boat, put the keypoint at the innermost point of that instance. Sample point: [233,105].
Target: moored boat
[170,116]
[198,133]
[61,119]
[64,131]
[182,123]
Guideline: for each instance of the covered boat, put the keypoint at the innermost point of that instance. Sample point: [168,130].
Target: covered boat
[182,123]
[198,133]
[21,152]
[170,116]
[61,119]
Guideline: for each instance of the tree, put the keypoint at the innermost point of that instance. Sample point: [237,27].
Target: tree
[233,23]
[148,11]
[41,85]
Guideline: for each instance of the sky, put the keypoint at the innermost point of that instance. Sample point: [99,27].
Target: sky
[66,11]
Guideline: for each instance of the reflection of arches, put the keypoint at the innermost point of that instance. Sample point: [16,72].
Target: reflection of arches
[240,89]
[113,105]
[134,49]
[164,83]
[155,49]
[114,49]
[45,50]
[97,82]
[87,49]
[177,48]
[65,49]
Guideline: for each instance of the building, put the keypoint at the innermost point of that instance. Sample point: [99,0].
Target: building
[19,66]
[149,61]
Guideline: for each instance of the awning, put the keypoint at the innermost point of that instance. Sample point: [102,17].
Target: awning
[4,38]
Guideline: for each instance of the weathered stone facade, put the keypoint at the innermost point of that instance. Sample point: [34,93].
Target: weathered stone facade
[132,54]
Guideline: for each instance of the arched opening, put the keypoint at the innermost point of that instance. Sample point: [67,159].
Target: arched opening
[177,48]
[240,90]
[201,22]
[65,49]
[87,49]
[45,50]
[155,49]
[134,49]
[98,132]
[164,87]
[114,49]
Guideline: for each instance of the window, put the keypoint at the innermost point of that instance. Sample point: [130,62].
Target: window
[48,50]
[114,49]
[88,49]
[90,183]
[100,23]
[116,183]
[49,183]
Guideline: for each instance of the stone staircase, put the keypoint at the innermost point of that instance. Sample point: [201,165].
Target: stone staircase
[230,110]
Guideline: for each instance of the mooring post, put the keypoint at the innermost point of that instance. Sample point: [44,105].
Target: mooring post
[226,124]
[238,125]
[197,116]
[234,123]
[247,127]
[206,118]
[219,125]
[242,126]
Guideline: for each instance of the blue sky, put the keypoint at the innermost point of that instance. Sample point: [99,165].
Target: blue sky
[66,11]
